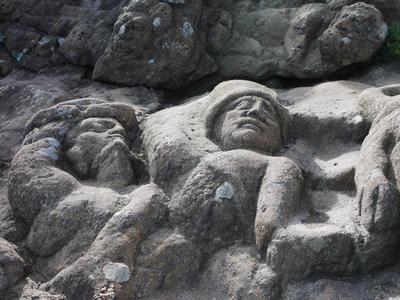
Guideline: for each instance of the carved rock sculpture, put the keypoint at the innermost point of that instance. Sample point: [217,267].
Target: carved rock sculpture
[227,192]
[71,183]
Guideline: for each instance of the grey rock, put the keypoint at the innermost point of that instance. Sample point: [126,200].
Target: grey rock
[11,265]
[308,41]
[377,103]
[88,38]
[166,260]
[171,44]
[174,1]
[389,8]
[236,273]
[22,94]
[369,33]
[156,44]
[10,229]
[305,250]
[29,289]
[377,174]
[317,109]
[6,62]
[378,285]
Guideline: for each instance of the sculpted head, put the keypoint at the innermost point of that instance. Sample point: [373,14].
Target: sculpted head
[95,137]
[245,115]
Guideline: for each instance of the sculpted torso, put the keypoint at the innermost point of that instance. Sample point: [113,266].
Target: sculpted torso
[239,192]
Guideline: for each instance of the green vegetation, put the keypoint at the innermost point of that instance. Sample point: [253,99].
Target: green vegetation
[391,48]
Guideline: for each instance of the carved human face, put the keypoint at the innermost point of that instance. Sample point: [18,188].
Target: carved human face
[100,150]
[249,122]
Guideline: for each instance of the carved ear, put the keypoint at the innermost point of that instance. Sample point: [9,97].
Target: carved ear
[284,119]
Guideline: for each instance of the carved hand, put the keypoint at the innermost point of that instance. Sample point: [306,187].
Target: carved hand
[378,204]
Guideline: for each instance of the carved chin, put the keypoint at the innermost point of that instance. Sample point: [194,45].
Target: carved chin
[249,138]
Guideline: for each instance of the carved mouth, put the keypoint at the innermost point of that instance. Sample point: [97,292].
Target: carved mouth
[250,126]
[118,136]
[251,123]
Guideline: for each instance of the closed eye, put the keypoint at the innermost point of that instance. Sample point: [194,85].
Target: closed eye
[96,127]
[244,105]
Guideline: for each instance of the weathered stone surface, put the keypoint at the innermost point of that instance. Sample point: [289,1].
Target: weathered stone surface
[247,198]
[308,41]
[10,229]
[11,266]
[389,8]
[23,93]
[238,274]
[377,174]
[156,44]
[171,44]
[159,44]
[316,110]
[29,289]
[381,285]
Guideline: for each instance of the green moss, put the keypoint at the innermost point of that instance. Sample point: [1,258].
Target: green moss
[391,48]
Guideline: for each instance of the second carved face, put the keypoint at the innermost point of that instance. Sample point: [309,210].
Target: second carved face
[100,149]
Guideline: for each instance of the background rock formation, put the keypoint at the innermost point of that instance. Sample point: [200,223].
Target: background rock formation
[309,41]
[170,44]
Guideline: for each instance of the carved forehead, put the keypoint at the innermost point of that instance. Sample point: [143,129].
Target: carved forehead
[249,102]
[76,111]
[63,119]
[238,88]
[104,122]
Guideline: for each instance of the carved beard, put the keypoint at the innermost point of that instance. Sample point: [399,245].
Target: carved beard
[113,166]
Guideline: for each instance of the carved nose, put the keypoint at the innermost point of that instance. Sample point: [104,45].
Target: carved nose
[117,129]
[255,110]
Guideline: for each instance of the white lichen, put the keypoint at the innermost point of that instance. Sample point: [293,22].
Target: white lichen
[122,30]
[64,112]
[224,192]
[358,119]
[44,41]
[346,40]
[157,22]
[61,41]
[187,29]
[117,272]
[52,151]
